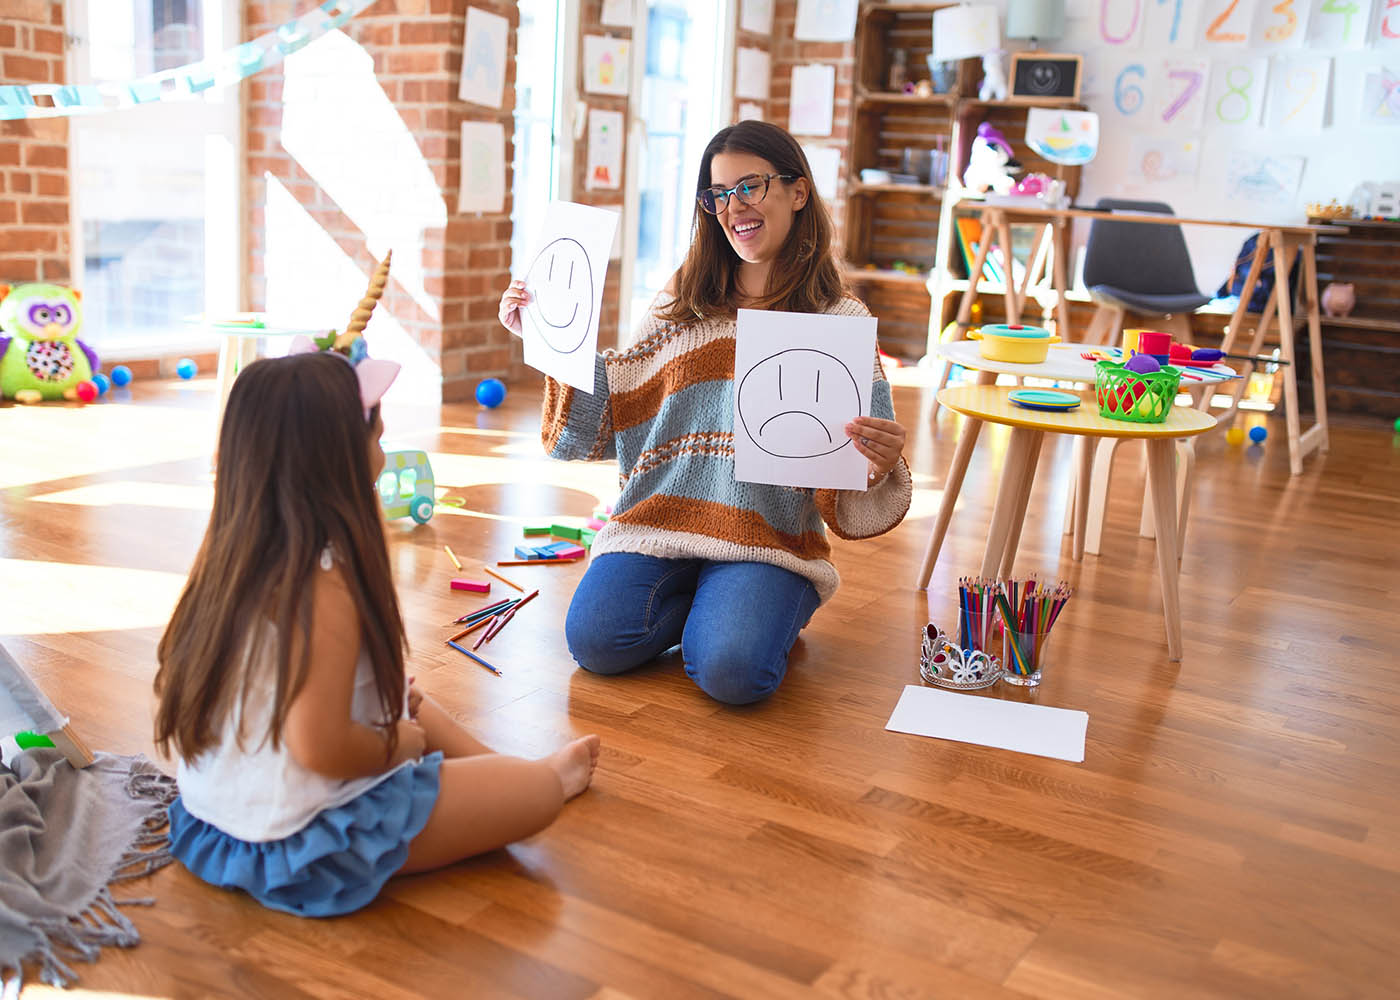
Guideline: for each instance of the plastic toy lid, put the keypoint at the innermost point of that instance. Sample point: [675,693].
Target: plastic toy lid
[1015,330]
[1044,399]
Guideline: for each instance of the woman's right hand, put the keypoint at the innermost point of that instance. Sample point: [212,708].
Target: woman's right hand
[512,301]
[413,742]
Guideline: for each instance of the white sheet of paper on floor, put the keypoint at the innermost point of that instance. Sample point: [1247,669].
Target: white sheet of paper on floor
[798,380]
[987,722]
[564,274]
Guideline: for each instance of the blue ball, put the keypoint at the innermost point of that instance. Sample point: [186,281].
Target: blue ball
[186,368]
[1258,434]
[490,392]
[121,375]
[102,382]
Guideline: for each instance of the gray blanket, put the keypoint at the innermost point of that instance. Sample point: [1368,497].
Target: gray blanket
[65,836]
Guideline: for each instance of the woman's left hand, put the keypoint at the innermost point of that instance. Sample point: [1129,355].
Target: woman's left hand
[881,441]
[415,698]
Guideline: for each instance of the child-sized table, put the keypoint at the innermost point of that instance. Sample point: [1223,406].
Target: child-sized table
[990,403]
[239,348]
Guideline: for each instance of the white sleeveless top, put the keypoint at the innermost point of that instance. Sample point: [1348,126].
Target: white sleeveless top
[257,793]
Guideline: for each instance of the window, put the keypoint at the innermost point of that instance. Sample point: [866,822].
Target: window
[536,113]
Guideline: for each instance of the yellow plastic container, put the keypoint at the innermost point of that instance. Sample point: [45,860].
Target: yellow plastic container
[1020,345]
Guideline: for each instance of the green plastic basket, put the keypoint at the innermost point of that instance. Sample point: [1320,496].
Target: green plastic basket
[1138,399]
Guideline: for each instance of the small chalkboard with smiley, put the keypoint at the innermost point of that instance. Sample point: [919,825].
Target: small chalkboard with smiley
[1038,77]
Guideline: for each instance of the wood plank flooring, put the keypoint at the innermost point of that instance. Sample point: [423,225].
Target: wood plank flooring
[1233,832]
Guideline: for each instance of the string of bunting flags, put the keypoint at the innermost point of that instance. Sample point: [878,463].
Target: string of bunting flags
[52,100]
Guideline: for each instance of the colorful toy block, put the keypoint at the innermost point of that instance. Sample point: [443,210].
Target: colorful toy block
[537,529]
[475,586]
[572,552]
[585,538]
[564,531]
[526,552]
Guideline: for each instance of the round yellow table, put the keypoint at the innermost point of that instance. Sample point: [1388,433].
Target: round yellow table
[990,403]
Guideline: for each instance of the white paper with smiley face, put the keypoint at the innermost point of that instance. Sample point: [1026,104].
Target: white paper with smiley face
[798,380]
[564,276]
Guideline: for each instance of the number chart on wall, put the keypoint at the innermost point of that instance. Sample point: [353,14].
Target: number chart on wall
[1174,75]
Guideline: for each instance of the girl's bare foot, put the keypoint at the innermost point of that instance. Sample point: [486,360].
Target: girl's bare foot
[575,763]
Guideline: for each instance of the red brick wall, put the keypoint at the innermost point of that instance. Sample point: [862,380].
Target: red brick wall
[590,23]
[35,207]
[787,52]
[416,48]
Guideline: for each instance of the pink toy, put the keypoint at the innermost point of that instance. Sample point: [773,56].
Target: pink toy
[572,552]
[1338,299]
[475,586]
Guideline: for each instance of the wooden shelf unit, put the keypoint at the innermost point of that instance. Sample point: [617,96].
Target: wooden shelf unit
[1361,351]
[889,223]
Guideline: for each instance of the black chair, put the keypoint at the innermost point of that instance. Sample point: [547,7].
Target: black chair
[1139,268]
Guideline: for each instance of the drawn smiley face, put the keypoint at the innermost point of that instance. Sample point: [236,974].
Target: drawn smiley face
[561,294]
[796,403]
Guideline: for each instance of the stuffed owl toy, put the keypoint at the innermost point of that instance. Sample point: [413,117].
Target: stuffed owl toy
[41,356]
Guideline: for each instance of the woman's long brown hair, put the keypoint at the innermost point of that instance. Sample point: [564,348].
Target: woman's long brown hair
[805,276]
[294,476]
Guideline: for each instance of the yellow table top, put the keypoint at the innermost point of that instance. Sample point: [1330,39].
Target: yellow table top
[990,402]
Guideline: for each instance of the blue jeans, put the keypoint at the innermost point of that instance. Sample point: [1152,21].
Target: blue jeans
[736,622]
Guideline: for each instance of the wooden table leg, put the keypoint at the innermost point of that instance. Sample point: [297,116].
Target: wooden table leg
[952,486]
[1085,447]
[1285,250]
[1008,494]
[1013,307]
[964,317]
[1059,248]
[1104,451]
[1319,388]
[1232,332]
[1161,475]
[1018,517]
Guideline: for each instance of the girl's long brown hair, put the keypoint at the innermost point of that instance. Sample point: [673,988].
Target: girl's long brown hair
[805,276]
[294,476]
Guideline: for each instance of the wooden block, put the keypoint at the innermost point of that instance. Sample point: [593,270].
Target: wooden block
[564,531]
[526,552]
[586,537]
[572,552]
[537,530]
[475,586]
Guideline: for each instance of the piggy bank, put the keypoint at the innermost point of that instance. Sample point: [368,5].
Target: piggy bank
[1338,299]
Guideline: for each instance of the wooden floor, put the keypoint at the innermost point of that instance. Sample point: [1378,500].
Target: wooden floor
[1233,832]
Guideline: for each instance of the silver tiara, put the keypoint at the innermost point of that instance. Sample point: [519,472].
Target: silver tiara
[942,663]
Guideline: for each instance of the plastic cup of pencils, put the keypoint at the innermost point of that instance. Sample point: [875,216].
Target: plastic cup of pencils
[1022,656]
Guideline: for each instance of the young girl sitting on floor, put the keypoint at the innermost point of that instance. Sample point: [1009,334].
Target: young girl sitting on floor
[309,770]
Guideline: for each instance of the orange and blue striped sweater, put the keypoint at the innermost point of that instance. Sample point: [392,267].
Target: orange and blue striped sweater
[664,408]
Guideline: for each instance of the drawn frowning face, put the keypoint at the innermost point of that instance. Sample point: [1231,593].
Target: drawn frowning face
[561,294]
[795,404]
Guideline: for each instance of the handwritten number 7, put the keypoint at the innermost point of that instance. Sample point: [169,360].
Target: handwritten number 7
[1193,83]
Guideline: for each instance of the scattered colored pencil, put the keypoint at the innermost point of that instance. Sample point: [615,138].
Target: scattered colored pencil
[453,556]
[536,562]
[467,652]
[504,619]
[489,609]
[498,576]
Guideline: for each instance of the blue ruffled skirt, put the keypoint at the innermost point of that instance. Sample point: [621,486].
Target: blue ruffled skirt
[335,864]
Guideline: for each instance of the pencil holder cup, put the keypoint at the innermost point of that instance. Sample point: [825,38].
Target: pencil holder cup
[943,664]
[1134,397]
[1023,654]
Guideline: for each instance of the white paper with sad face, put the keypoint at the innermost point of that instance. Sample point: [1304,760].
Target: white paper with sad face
[564,275]
[798,380]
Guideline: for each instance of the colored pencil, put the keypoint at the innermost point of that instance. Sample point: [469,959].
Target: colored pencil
[504,620]
[489,609]
[453,556]
[467,652]
[536,562]
[508,583]
[480,623]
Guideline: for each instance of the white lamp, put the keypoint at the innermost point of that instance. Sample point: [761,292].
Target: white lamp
[1035,19]
[965,32]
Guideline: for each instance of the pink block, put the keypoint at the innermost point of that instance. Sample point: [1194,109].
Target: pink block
[572,552]
[595,524]
[475,586]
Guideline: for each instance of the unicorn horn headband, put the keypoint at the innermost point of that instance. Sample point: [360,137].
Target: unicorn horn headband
[374,376]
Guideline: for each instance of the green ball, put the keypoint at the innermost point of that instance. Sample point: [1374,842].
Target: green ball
[1397,425]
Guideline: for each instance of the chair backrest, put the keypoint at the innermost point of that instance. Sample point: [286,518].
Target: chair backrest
[1141,257]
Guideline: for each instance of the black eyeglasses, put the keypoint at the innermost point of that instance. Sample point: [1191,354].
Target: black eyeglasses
[749,190]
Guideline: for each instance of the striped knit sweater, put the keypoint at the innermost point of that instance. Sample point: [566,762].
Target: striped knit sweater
[664,407]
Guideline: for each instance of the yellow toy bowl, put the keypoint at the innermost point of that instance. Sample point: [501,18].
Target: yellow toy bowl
[1022,345]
